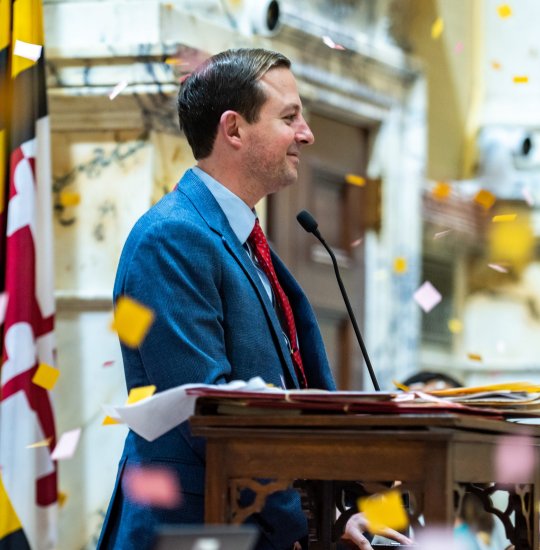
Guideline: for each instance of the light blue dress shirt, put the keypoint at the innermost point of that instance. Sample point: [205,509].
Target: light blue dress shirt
[240,216]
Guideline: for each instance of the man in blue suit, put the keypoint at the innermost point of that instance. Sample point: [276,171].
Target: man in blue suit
[218,314]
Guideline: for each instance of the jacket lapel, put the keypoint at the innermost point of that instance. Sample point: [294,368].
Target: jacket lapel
[208,208]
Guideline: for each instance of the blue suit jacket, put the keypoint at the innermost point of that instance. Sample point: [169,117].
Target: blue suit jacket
[213,323]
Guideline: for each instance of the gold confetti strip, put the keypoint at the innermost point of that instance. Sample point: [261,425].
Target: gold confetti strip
[110,421]
[455,326]
[474,356]
[384,511]
[441,191]
[400,265]
[504,218]
[46,376]
[437,28]
[353,179]
[142,392]
[485,198]
[495,65]
[62,498]
[504,11]
[131,321]
[520,79]
[69,198]
[44,443]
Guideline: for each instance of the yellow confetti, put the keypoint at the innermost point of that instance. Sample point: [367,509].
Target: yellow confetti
[474,356]
[520,79]
[384,511]
[400,386]
[504,218]
[62,497]
[400,265]
[437,28]
[504,11]
[495,65]
[109,421]
[137,394]
[441,191]
[353,179]
[131,321]
[43,443]
[455,326]
[512,244]
[68,198]
[46,376]
[485,198]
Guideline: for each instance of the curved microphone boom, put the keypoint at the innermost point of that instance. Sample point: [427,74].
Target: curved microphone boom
[308,222]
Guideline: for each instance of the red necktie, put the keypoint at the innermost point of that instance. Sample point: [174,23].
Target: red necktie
[260,248]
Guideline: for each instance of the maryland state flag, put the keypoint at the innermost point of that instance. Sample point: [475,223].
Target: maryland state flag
[28,476]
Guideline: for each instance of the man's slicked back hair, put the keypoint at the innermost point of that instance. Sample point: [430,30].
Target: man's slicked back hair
[226,81]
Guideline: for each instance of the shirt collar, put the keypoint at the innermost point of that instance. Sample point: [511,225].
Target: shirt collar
[239,215]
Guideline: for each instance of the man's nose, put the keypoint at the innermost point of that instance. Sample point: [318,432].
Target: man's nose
[304,134]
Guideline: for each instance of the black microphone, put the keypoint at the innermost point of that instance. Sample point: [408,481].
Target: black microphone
[308,222]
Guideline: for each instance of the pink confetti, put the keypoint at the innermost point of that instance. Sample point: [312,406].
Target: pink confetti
[108,363]
[356,243]
[526,192]
[427,297]
[514,459]
[499,268]
[153,486]
[331,44]
[458,48]
[441,234]
[66,446]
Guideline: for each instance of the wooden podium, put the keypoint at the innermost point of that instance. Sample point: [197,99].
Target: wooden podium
[437,457]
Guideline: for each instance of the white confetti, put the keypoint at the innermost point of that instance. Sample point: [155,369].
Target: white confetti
[118,89]
[27,50]
[427,297]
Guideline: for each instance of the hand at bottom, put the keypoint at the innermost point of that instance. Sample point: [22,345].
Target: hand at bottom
[358,524]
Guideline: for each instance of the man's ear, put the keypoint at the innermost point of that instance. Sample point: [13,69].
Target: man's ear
[229,126]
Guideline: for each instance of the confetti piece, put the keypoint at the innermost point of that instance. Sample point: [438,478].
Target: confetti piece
[43,443]
[427,297]
[520,79]
[384,511]
[495,65]
[110,421]
[118,89]
[140,393]
[455,326]
[331,44]
[62,498]
[152,486]
[131,321]
[485,198]
[514,459]
[66,446]
[441,234]
[357,242]
[108,363]
[27,50]
[437,28]
[68,198]
[353,179]
[474,357]
[3,306]
[441,191]
[511,244]
[400,265]
[46,376]
[504,11]
[458,48]
[499,268]
[504,218]
[527,195]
